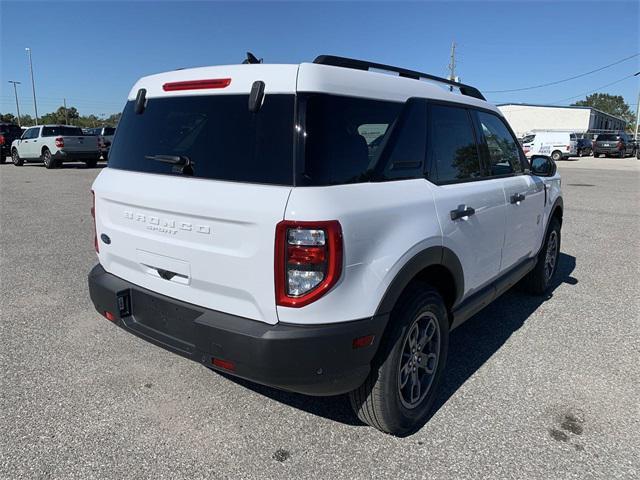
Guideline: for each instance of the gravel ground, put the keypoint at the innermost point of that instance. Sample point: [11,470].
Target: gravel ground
[535,389]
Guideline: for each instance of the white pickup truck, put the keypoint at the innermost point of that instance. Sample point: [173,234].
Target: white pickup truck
[53,145]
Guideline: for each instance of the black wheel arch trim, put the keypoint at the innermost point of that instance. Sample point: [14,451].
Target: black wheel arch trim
[429,257]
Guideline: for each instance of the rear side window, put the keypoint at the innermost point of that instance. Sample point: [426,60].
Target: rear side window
[452,146]
[504,154]
[219,136]
[61,131]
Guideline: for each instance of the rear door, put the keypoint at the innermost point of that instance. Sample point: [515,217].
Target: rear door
[193,191]
[524,194]
[471,208]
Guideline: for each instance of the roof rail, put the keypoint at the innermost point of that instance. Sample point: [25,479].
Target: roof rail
[344,62]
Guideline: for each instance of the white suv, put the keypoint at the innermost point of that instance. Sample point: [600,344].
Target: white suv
[319,227]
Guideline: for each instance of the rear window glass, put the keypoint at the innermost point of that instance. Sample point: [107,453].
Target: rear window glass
[217,135]
[109,131]
[61,131]
[607,137]
[10,130]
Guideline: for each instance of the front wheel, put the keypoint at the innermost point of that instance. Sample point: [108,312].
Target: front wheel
[397,396]
[556,155]
[537,281]
[15,158]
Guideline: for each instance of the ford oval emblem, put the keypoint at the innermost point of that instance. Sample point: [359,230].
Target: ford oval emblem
[105,238]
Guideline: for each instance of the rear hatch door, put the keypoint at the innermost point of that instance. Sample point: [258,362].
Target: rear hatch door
[195,186]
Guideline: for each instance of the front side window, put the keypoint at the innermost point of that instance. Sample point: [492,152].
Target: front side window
[452,146]
[504,155]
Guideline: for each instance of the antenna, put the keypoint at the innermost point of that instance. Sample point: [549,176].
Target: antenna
[452,64]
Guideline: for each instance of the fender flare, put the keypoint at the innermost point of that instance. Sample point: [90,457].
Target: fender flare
[432,256]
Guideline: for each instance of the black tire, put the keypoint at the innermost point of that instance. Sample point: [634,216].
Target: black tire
[91,163]
[47,159]
[595,155]
[3,158]
[538,280]
[15,157]
[580,152]
[381,401]
[556,155]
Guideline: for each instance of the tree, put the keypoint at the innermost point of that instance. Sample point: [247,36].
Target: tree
[611,104]
[8,117]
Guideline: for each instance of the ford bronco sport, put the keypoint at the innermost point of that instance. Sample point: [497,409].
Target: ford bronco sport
[318,228]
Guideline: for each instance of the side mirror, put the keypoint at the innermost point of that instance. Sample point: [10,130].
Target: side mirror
[543,166]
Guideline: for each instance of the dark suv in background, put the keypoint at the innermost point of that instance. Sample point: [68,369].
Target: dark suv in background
[614,144]
[8,133]
[584,147]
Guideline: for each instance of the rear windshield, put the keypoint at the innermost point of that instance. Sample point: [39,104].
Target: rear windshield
[62,131]
[109,131]
[216,135]
[607,137]
[10,130]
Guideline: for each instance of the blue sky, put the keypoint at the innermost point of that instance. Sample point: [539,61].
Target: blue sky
[92,52]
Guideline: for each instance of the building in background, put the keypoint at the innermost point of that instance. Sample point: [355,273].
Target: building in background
[528,118]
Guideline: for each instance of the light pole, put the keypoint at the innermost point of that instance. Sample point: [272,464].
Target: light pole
[33,84]
[16,93]
[635,134]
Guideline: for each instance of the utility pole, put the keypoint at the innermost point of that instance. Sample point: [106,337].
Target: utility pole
[66,113]
[452,64]
[15,90]
[33,84]
[637,112]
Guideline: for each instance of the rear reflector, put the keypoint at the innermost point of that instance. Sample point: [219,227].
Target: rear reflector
[110,316]
[226,364]
[197,84]
[363,341]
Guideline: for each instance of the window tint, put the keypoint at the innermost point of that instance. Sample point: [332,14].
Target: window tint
[344,137]
[606,137]
[12,130]
[109,131]
[528,139]
[504,156]
[218,135]
[408,143]
[61,131]
[31,133]
[453,150]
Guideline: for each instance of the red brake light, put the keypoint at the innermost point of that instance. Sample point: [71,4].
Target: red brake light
[110,316]
[59,142]
[226,364]
[197,84]
[2,140]
[95,228]
[361,342]
[308,261]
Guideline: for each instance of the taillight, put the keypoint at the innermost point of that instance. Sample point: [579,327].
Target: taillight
[59,142]
[95,228]
[1,139]
[197,84]
[308,261]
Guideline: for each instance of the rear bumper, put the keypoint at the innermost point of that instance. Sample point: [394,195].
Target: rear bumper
[314,360]
[607,150]
[73,155]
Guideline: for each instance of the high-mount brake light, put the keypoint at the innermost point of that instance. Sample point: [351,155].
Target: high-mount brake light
[59,142]
[308,261]
[95,228]
[197,84]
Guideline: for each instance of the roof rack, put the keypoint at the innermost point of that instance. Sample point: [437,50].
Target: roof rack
[344,62]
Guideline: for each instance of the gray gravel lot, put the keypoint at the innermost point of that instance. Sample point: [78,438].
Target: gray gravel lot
[534,389]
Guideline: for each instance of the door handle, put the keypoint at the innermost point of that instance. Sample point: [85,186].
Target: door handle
[517,197]
[462,211]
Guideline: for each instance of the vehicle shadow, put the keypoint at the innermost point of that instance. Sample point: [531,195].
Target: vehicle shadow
[67,166]
[470,346]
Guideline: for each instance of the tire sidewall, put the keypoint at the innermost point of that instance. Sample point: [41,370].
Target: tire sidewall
[557,154]
[50,162]
[15,158]
[408,420]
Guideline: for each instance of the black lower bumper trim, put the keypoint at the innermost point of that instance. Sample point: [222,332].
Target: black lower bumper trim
[314,360]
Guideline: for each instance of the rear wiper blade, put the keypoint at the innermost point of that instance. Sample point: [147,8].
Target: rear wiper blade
[172,159]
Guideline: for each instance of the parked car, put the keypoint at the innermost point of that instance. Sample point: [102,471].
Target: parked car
[614,144]
[105,137]
[342,271]
[8,133]
[53,145]
[558,145]
[584,147]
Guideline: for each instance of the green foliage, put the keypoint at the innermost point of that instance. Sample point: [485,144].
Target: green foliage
[611,104]
[61,115]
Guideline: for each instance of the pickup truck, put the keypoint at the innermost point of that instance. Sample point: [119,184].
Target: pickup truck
[8,133]
[53,145]
[105,137]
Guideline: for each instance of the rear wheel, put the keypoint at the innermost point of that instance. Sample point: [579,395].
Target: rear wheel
[15,157]
[556,155]
[47,159]
[538,280]
[397,396]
